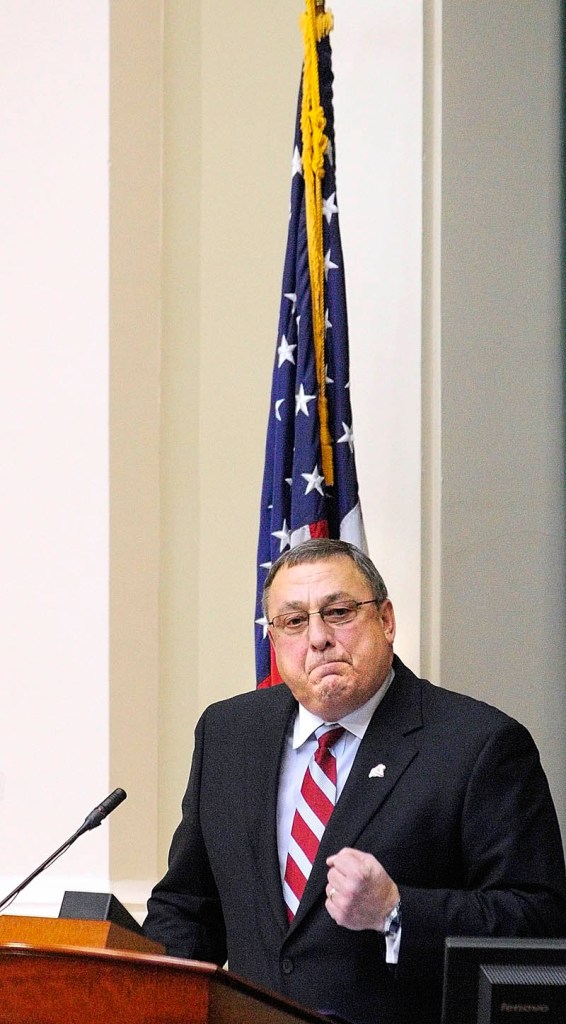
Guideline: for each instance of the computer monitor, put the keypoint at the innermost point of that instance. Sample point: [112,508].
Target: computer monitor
[470,979]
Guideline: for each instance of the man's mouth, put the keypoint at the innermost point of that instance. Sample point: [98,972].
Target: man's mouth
[326,668]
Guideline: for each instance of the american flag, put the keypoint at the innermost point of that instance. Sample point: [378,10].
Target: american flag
[297,502]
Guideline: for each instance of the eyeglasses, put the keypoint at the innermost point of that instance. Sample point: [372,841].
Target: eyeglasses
[334,615]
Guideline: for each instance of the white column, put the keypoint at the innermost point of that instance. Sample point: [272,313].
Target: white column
[54,743]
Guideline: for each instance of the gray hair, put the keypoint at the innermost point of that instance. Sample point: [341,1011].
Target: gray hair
[323,548]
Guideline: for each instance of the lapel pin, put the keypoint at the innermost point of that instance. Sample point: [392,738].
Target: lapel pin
[378,772]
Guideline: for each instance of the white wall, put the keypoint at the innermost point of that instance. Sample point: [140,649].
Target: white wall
[54,490]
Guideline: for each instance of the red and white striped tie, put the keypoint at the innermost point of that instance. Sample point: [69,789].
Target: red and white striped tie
[315,805]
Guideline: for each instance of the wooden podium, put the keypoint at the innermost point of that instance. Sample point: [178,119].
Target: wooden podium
[55,971]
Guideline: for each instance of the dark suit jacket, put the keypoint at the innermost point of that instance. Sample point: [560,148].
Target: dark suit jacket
[462,820]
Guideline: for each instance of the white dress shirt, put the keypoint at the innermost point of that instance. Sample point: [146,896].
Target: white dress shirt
[300,745]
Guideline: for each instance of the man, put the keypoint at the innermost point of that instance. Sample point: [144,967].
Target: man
[443,823]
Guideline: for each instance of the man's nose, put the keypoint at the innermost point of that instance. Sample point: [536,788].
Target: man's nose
[320,634]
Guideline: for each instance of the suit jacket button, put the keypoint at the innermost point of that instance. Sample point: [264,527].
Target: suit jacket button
[287,966]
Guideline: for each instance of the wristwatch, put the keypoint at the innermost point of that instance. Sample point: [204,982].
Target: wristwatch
[393,921]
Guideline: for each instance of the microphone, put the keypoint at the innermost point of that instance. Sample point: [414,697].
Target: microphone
[94,819]
[91,821]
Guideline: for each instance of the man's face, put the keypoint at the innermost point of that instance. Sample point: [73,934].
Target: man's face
[331,670]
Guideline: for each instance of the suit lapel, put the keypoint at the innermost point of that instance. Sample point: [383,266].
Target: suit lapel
[391,740]
[266,746]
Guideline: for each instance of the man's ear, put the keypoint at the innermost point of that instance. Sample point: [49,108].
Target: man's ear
[387,616]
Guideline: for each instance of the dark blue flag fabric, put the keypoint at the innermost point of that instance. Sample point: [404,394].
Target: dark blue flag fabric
[298,501]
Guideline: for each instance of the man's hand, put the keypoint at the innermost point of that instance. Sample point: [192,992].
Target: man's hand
[359,894]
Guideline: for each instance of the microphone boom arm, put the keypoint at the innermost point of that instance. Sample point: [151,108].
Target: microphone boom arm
[91,821]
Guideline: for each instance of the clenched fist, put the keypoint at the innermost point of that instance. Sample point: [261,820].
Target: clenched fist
[359,894]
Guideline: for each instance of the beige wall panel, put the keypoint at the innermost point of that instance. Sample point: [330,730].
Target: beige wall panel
[503,507]
[136,76]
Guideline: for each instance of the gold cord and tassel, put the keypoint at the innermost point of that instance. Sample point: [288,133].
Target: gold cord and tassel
[315,24]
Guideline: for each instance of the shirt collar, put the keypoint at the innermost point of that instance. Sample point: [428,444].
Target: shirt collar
[356,722]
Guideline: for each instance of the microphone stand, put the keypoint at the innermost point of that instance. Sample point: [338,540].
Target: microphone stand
[91,821]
